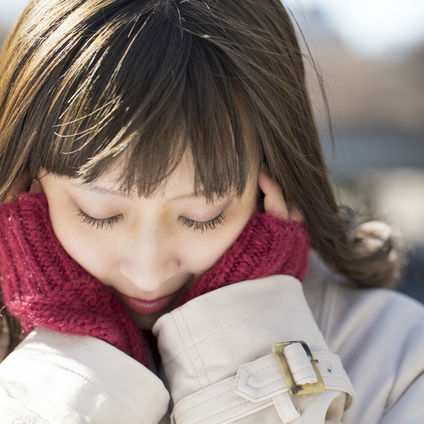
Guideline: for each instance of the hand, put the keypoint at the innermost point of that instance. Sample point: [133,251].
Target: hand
[19,186]
[22,185]
[43,286]
[271,243]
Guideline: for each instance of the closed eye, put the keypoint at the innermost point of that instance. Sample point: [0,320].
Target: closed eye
[98,223]
[205,225]
[103,223]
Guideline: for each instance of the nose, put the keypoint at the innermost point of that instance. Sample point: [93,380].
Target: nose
[149,261]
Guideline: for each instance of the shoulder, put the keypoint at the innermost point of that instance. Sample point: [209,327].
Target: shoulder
[379,336]
[340,308]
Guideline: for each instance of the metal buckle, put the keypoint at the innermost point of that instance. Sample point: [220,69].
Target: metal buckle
[295,389]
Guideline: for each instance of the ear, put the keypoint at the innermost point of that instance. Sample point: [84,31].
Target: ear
[273,198]
[274,202]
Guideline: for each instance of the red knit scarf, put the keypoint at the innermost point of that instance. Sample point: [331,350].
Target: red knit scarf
[265,247]
[43,286]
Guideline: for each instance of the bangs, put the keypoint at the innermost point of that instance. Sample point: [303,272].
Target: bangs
[139,87]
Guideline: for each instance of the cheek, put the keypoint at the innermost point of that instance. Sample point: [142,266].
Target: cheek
[80,244]
[203,254]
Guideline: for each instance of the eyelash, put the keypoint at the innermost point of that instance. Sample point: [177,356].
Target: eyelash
[203,226]
[98,223]
[189,223]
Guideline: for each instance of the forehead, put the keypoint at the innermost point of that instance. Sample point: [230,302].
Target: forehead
[170,174]
[182,177]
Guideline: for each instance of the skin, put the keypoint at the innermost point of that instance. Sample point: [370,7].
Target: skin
[149,252]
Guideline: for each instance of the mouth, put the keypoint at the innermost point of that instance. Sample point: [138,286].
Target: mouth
[143,306]
[154,306]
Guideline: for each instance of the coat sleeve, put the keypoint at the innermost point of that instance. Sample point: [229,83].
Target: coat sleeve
[55,378]
[224,363]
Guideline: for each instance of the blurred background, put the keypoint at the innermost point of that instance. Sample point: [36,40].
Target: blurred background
[370,54]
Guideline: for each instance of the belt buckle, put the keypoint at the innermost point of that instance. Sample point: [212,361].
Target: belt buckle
[296,389]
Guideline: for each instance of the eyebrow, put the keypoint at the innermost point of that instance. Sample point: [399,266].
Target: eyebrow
[98,189]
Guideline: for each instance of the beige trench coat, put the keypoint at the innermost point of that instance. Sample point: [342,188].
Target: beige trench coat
[218,365]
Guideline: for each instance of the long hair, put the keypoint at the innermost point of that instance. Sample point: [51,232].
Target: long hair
[83,83]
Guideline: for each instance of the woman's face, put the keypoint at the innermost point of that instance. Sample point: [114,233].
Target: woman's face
[145,248]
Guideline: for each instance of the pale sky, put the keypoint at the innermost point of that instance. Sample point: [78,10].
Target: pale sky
[373,26]
[369,25]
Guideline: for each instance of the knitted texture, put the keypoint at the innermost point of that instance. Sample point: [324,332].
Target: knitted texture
[43,286]
[267,246]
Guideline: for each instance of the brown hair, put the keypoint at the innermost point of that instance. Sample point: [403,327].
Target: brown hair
[84,82]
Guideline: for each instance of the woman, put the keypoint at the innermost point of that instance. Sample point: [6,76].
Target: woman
[175,183]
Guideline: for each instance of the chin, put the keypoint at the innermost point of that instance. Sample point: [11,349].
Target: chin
[146,322]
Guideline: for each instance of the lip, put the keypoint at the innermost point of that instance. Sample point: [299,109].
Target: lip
[148,306]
